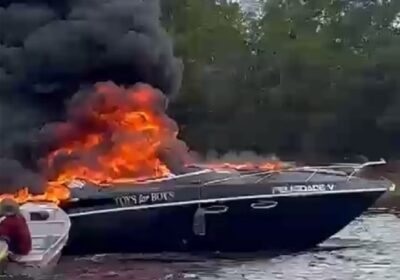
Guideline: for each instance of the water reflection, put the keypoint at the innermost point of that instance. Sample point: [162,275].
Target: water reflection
[367,249]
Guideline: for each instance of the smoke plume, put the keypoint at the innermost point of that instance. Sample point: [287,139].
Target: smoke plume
[51,49]
[238,157]
[13,177]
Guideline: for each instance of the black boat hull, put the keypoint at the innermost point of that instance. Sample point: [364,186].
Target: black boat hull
[235,224]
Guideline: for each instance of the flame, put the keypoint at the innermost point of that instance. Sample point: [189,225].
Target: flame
[248,166]
[135,139]
[129,128]
[113,135]
[54,193]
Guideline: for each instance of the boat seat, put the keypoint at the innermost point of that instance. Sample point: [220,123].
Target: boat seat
[43,236]
[43,242]
[33,256]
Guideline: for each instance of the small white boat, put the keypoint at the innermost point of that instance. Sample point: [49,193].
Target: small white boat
[49,226]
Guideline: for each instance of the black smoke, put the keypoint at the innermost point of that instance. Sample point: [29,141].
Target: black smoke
[14,176]
[50,49]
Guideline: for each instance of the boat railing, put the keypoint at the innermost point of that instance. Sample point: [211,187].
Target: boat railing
[333,169]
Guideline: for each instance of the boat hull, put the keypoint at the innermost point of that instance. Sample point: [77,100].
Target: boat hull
[234,223]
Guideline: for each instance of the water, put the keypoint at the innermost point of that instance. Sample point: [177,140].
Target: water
[367,249]
[252,7]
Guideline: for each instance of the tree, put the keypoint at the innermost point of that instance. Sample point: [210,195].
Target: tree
[210,37]
[315,77]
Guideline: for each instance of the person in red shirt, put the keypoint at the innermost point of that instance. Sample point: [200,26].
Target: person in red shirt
[14,228]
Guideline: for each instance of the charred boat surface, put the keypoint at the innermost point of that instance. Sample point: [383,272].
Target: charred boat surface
[206,209]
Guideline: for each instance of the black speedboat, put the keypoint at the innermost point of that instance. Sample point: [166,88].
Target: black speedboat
[223,210]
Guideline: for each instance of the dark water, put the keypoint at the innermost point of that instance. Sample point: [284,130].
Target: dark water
[367,249]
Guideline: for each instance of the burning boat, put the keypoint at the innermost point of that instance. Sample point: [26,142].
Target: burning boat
[115,125]
[220,209]
[117,167]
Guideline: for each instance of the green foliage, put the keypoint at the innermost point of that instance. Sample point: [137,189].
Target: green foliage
[310,77]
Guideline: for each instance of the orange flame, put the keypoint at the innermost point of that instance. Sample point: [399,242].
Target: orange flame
[54,193]
[248,166]
[133,128]
[119,135]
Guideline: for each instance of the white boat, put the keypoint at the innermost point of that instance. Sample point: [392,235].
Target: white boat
[49,226]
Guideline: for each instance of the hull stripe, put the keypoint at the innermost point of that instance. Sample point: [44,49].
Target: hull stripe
[225,199]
